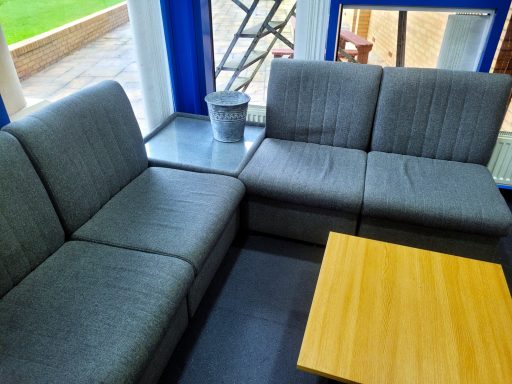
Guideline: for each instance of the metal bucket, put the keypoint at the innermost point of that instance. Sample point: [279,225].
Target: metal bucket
[228,113]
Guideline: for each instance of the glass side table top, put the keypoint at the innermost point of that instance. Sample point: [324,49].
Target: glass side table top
[185,141]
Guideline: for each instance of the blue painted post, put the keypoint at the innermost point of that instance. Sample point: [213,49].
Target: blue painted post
[4,117]
[499,7]
[188,38]
[332,31]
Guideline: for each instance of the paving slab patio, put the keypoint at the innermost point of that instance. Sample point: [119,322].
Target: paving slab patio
[112,56]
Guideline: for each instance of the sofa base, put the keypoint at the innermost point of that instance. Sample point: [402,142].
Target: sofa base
[163,353]
[445,241]
[212,263]
[296,221]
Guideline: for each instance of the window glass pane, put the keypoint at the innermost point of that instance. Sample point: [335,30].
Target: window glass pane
[434,38]
[258,48]
[451,39]
[57,52]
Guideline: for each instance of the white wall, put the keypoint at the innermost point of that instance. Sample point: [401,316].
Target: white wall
[148,34]
[311,29]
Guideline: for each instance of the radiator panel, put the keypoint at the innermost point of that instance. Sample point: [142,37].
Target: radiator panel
[500,164]
[257,114]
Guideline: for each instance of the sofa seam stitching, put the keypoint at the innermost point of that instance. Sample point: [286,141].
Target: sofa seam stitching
[133,248]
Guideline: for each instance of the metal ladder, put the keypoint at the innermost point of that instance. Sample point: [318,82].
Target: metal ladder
[252,57]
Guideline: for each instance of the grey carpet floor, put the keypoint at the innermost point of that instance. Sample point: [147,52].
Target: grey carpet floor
[249,326]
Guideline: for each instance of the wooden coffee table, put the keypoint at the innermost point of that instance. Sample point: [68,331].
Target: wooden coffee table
[385,313]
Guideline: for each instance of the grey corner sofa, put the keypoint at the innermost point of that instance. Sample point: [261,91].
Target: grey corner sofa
[396,154]
[103,260]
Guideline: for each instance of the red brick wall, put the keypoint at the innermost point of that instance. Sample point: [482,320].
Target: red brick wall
[425,32]
[37,53]
[503,64]
[503,58]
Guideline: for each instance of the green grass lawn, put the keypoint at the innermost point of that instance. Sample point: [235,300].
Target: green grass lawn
[21,19]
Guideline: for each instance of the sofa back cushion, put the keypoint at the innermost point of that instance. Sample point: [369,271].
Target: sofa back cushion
[440,114]
[322,102]
[85,147]
[29,227]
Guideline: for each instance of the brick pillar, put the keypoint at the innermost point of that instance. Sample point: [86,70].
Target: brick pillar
[363,23]
[503,64]
[354,21]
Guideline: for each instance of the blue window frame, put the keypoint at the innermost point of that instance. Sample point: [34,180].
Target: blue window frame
[499,8]
[4,117]
[189,40]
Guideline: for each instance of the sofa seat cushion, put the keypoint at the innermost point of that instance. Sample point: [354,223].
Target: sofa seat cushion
[169,212]
[308,174]
[89,313]
[434,193]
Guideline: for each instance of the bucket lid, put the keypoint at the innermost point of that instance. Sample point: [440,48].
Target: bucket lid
[227,98]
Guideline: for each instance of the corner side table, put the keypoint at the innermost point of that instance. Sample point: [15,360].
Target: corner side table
[185,141]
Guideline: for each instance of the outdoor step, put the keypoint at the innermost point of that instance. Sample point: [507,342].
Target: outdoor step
[237,84]
[252,31]
[254,56]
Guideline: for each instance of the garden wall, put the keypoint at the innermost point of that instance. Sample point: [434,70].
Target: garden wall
[503,63]
[424,37]
[37,53]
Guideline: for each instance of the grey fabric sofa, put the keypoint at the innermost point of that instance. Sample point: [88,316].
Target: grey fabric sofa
[103,259]
[396,154]
[307,177]
[426,181]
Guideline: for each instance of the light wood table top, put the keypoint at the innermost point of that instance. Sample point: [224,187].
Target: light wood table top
[385,313]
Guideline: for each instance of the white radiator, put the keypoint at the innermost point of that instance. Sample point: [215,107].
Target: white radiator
[500,164]
[256,114]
